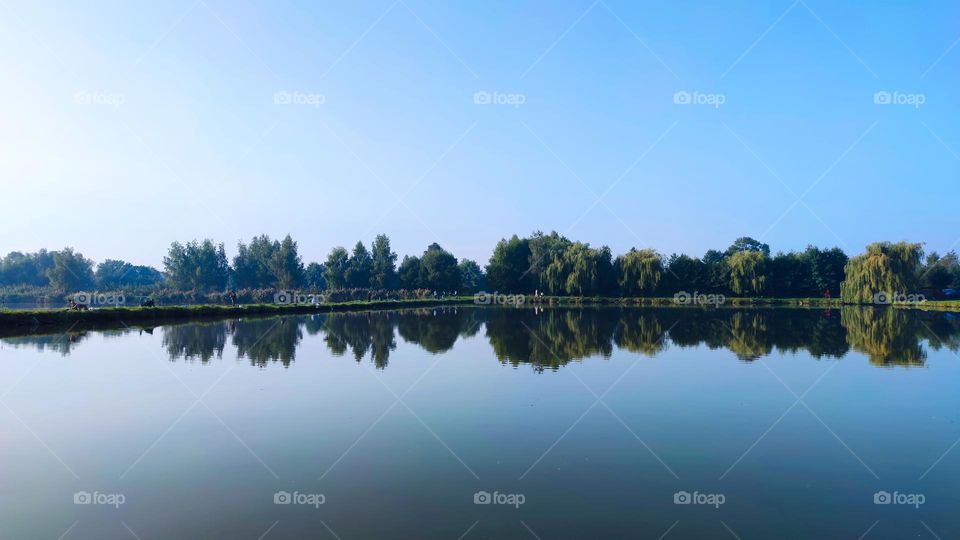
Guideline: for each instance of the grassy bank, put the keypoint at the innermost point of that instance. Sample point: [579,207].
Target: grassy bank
[20,318]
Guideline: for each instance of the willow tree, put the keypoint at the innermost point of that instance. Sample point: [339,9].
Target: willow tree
[638,272]
[748,272]
[886,268]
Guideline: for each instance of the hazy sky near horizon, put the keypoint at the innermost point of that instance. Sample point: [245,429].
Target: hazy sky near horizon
[673,125]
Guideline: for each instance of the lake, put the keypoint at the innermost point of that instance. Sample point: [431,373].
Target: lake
[479,422]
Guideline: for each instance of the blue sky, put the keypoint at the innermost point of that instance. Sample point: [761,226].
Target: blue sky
[126,125]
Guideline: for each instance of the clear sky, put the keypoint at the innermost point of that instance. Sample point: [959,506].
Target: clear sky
[126,125]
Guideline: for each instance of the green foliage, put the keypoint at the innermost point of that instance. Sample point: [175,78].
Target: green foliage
[197,265]
[409,273]
[472,278]
[71,271]
[748,272]
[338,261]
[315,278]
[360,267]
[509,267]
[543,250]
[745,243]
[638,272]
[26,268]
[885,268]
[115,274]
[384,273]
[285,264]
[438,269]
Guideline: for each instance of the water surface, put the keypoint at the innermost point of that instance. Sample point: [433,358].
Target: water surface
[599,421]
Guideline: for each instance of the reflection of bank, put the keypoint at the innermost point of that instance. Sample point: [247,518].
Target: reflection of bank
[547,338]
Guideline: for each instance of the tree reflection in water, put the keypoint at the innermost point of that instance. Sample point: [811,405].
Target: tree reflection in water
[547,339]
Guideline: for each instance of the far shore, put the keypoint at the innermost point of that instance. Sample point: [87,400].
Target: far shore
[10,319]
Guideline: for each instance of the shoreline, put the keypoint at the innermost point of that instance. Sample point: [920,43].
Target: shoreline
[33,318]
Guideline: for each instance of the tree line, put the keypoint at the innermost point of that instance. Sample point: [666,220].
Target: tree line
[540,263]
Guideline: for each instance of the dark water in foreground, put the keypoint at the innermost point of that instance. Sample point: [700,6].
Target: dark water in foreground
[488,423]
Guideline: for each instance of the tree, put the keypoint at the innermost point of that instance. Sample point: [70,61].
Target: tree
[748,272]
[638,272]
[71,271]
[409,273]
[338,261]
[588,270]
[543,250]
[827,268]
[26,268]
[745,243]
[472,278]
[197,265]
[285,264]
[251,265]
[384,273]
[439,269]
[113,273]
[360,267]
[789,274]
[890,269]
[314,277]
[509,267]
[684,273]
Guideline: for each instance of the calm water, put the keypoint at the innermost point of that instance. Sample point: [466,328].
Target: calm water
[579,423]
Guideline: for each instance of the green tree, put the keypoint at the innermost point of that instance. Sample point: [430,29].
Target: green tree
[748,272]
[71,271]
[409,273]
[827,268]
[745,243]
[314,277]
[113,273]
[509,267]
[439,269]
[338,261]
[543,250]
[285,265]
[384,273]
[252,264]
[360,267]
[472,278]
[638,272]
[197,265]
[885,268]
